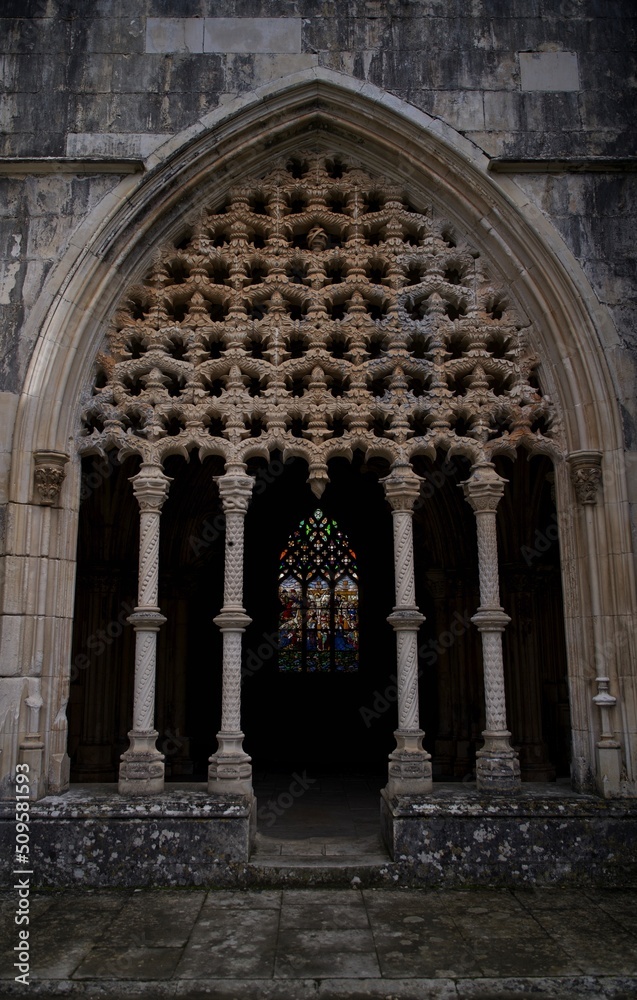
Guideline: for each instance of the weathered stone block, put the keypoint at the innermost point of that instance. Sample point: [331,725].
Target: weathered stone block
[252,34]
[174,34]
[113,143]
[193,74]
[556,71]
[501,110]
[273,67]
[109,34]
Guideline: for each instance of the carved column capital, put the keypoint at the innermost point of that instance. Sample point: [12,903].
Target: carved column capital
[150,486]
[586,475]
[49,475]
[484,489]
[402,487]
[235,489]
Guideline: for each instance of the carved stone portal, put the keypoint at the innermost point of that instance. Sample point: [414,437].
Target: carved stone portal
[316,312]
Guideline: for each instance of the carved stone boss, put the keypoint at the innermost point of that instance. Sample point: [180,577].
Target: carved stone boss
[230,767]
[409,763]
[497,765]
[142,765]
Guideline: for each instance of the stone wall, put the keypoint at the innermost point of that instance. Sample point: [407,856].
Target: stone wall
[90,91]
[114,78]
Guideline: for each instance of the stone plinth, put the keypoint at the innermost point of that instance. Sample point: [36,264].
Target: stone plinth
[542,836]
[450,838]
[92,836]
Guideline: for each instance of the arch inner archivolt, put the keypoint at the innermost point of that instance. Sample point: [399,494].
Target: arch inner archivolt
[317,312]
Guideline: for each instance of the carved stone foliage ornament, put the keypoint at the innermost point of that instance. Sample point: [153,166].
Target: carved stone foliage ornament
[586,475]
[318,311]
[49,475]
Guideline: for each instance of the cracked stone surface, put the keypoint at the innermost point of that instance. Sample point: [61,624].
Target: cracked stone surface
[328,944]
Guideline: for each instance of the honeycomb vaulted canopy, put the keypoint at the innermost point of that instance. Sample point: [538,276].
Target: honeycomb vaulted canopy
[317,312]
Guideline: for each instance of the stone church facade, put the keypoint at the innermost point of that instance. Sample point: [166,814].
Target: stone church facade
[365,268]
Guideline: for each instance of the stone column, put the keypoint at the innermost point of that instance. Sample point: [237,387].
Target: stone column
[409,763]
[142,769]
[230,767]
[32,746]
[497,764]
[586,476]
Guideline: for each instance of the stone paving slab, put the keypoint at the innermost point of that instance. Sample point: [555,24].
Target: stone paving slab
[328,944]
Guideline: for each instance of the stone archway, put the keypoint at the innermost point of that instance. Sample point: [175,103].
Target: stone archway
[315,312]
[567,325]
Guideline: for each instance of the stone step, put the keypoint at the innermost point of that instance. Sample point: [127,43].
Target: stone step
[320,861]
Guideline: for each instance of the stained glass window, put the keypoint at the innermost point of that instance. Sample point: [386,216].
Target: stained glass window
[318,590]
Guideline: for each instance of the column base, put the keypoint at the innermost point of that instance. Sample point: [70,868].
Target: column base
[497,765]
[609,769]
[230,776]
[32,754]
[230,768]
[141,771]
[409,771]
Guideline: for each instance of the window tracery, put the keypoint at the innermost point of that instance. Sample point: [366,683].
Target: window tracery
[318,311]
[318,591]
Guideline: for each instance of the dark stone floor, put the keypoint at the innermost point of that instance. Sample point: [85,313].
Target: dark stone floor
[358,941]
[336,944]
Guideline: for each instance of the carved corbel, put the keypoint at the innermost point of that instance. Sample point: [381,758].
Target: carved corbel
[586,475]
[48,476]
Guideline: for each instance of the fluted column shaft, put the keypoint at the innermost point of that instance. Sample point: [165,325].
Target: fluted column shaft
[230,767]
[142,768]
[409,763]
[497,765]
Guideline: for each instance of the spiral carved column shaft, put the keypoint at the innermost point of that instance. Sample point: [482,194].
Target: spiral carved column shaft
[497,764]
[409,763]
[142,768]
[230,767]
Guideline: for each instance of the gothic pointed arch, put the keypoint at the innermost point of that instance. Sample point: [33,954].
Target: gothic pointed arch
[546,384]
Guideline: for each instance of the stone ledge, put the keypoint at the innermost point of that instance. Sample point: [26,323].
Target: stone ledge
[544,800]
[102,801]
[575,164]
[18,166]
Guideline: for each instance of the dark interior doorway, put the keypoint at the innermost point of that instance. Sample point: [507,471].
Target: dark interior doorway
[318,719]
